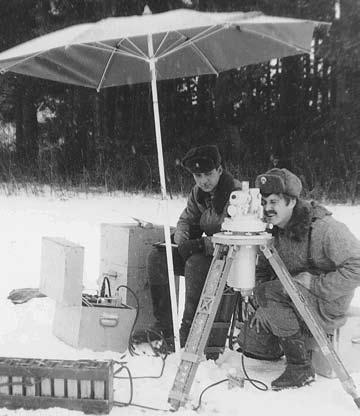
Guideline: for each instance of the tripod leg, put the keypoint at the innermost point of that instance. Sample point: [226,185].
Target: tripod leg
[311,321]
[202,324]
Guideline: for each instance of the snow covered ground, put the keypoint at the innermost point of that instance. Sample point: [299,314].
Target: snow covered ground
[25,330]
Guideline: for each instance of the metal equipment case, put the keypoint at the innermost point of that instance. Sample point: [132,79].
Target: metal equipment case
[98,326]
[123,252]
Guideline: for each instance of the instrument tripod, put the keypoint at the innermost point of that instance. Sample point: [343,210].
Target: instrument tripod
[228,246]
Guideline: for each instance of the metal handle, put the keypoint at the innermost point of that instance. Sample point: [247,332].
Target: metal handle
[109,321]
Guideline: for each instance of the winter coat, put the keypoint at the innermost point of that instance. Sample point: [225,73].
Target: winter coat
[313,241]
[205,212]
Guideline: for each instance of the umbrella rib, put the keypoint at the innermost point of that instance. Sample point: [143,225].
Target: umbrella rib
[190,41]
[292,45]
[105,70]
[161,43]
[205,58]
[117,51]
[136,48]
[3,70]
[172,45]
[125,50]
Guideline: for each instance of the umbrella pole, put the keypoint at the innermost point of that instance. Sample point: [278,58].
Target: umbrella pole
[169,257]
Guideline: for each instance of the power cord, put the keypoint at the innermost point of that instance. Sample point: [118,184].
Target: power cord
[105,282]
[207,388]
[158,352]
[131,347]
[254,382]
[129,402]
[258,384]
[233,320]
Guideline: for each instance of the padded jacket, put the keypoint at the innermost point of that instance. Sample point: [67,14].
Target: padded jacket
[205,212]
[314,242]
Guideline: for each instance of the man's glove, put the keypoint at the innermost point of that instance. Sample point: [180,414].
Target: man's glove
[189,247]
[259,319]
[181,236]
[208,246]
[304,279]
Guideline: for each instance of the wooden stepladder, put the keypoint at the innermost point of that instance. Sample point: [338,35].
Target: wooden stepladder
[226,248]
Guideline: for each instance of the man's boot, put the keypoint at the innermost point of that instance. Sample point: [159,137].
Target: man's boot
[196,270]
[162,310]
[299,370]
[160,296]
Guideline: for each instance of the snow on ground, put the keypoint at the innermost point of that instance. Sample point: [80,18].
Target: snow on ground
[25,330]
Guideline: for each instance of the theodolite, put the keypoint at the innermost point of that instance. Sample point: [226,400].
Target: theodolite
[245,230]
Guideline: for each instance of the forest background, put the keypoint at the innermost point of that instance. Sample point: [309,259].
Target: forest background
[299,112]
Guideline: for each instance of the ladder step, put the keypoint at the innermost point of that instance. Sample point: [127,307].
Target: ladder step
[188,356]
[220,325]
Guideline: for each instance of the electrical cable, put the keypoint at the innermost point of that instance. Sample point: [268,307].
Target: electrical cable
[123,366]
[103,289]
[121,404]
[233,320]
[258,384]
[131,379]
[129,402]
[131,347]
[207,388]
[157,353]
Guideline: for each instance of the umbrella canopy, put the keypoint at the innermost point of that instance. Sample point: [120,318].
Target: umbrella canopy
[115,51]
[147,48]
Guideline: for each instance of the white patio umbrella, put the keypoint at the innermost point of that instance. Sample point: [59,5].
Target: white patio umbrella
[148,48]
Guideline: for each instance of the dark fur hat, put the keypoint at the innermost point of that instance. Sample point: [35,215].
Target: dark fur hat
[279,181]
[202,159]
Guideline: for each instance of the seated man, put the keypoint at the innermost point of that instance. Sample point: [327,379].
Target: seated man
[323,257]
[203,215]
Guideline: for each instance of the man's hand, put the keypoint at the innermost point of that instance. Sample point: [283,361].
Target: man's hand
[259,319]
[304,279]
[248,309]
[189,247]
[208,246]
[180,236]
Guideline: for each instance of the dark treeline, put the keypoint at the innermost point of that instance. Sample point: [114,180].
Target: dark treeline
[299,112]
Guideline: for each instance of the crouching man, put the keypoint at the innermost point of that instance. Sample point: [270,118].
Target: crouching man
[201,218]
[323,257]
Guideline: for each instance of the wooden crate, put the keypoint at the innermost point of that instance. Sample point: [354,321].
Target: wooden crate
[85,385]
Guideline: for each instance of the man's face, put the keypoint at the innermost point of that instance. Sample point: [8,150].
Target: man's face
[277,210]
[207,181]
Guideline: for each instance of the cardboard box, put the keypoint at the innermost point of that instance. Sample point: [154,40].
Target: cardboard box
[99,326]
